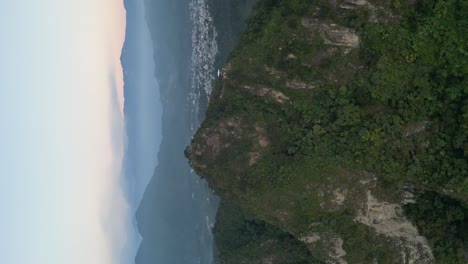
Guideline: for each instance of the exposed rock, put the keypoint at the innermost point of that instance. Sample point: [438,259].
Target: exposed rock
[357,2]
[340,196]
[329,244]
[337,251]
[387,219]
[378,12]
[211,141]
[216,140]
[368,179]
[268,260]
[267,91]
[296,84]
[408,198]
[273,71]
[312,238]
[415,128]
[283,216]
[353,4]
[291,56]
[347,6]
[253,157]
[331,33]
[262,138]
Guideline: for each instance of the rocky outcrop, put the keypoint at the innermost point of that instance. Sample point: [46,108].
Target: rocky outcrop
[311,238]
[378,12]
[296,84]
[225,136]
[330,244]
[331,33]
[388,219]
[261,91]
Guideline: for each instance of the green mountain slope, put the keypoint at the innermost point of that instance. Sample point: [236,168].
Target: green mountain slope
[339,134]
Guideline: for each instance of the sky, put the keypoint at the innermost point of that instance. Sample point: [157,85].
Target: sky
[62,132]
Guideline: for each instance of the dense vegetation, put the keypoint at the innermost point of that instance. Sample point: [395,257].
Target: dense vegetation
[443,221]
[244,238]
[397,106]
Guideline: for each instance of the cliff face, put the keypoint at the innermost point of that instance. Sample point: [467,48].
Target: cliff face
[317,136]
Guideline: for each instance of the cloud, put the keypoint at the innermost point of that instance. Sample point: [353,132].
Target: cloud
[118,216]
[63,142]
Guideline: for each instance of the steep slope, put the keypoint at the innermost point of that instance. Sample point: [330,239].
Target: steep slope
[337,134]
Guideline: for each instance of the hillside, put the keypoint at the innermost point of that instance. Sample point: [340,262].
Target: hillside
[338,134]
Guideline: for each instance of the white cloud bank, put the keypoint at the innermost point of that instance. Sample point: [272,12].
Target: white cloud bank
[62,137]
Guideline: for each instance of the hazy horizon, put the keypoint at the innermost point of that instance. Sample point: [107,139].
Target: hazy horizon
[62,136]
[99,100]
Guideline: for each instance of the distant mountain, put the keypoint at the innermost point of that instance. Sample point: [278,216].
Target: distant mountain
[142,106]
[178,209]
